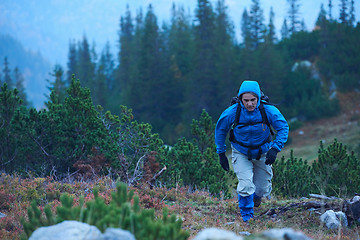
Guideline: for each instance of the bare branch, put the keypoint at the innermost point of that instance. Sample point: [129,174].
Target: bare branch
[153,179]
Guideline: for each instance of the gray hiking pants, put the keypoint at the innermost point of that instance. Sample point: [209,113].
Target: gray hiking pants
[254,176]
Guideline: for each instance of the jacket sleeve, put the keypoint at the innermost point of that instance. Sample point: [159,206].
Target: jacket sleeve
[223,126]
[281,126]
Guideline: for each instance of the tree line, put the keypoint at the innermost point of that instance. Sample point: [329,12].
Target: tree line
[169,74]
[102,118]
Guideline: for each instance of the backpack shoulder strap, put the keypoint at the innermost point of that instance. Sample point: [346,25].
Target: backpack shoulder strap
[235,123]
[237,115]
[264,117]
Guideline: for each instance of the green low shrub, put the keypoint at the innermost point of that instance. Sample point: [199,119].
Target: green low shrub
[292,177]
[336,172]
[123,212]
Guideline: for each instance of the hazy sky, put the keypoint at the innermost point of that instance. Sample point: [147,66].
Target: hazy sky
[48,25]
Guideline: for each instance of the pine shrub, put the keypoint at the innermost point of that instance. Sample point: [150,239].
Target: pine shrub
[123,212]
[336,172]
[292,177]
[195,163]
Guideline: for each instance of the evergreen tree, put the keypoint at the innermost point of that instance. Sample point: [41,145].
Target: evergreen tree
[295,24]
[225,57]
[58,86]
[321,19]
[152,87]
[344,16]
[12,138]
[271,31]
[302,26]
[257,27]
[335,171]
[352,13]
[104,79]
[86,67]
[100,81]
[126,77]
[72,62]
[19,85]
[245,29]
[205,96]
[330,9]
[285,30]
[180,57]
[107,60]
[7,74]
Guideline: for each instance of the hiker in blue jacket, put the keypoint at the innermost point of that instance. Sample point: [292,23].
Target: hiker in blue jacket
[253,150]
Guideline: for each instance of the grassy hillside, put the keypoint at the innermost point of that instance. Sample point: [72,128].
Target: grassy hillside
[197,209]
[345,127]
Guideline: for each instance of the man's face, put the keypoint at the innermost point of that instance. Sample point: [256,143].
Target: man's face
[249,101]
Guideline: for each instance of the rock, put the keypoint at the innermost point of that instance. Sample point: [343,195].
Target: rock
[117,234]
[216,234]
[334,220]
[353,207]
[69,230]
[284,234]
[73,230]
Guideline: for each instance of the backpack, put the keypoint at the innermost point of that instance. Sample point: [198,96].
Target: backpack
[263,100]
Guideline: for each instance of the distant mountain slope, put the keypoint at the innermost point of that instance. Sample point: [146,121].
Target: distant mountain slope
[33,66]
[345,127]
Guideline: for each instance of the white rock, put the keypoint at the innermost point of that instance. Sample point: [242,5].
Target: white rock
[216,234]
[69,230]
[284,233]
[117,234]
[333,219]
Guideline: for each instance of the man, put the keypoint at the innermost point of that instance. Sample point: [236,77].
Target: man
[253,150]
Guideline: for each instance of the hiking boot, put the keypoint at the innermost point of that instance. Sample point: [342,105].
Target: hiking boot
[257,201]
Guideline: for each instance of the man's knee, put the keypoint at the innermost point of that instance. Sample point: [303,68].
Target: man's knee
[245,188]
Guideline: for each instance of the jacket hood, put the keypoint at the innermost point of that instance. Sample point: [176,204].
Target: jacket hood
[250,86]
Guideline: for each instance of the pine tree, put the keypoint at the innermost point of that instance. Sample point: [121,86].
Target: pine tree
[204,61]
[330,9]
[58,85]
[245,29]
[19,85]
[285,30]
[126,77]
[180,57]
[107,60]
[100,81]
[271,31]
[257,27]
[10,128]
[7,74]
[321,19]
[226,56]
[72,62]
[151,88]
[344,16]
[352,13]
[335,171]
[295,23]
[86,67]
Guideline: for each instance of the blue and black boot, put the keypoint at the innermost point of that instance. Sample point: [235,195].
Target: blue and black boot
[246,205]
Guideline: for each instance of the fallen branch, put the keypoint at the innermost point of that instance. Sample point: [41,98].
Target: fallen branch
[151,182]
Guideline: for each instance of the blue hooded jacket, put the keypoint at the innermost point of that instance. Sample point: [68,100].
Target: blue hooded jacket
[251,135]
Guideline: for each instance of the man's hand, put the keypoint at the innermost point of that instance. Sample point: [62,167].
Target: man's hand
[271,156]
[224,162]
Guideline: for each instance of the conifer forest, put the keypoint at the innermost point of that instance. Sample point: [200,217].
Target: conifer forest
[152,107]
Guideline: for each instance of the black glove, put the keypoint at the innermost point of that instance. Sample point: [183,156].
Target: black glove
[224,162]
[271,156]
